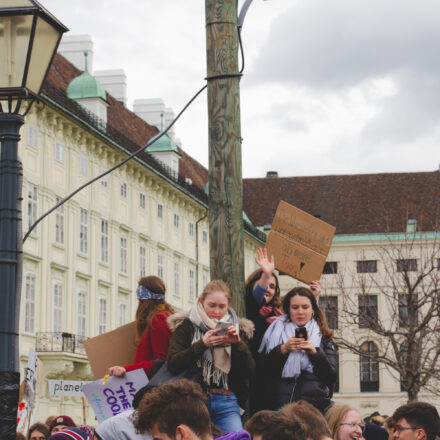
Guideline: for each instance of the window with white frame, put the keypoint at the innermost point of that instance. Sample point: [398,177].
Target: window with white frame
[29,304]
[81,313]
[176,220]
[104,241]
[32,205]
[123,255]
[191,285]
[160,265]
[204,280]
[32,137]
[122,313]
[59,152]
[123,189]
[159,210]
[83,165]
[104,179]
[191,229]
[142,261]
[176,279]
[205,237]
[59,222]
[83,227]
[102,319]
[57,307]
[142,199]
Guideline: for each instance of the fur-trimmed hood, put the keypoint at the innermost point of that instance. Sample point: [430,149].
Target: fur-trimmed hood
[247,327]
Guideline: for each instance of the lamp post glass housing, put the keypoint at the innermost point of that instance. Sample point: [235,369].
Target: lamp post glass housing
[29,37]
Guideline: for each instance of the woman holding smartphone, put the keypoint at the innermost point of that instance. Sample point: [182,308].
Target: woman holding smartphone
[300,353]
[212,338]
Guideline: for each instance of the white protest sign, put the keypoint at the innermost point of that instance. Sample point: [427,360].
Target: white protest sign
[66,388]
[116,395]
[31,370]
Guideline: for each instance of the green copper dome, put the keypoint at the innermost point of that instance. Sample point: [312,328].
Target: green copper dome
[165,143]
[85,86]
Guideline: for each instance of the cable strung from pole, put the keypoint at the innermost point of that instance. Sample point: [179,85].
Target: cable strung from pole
[99,176]
[115,167]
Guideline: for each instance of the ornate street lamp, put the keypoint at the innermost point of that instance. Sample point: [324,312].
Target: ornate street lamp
[29,38]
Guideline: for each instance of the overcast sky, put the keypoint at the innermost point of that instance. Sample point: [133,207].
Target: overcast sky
[330,86]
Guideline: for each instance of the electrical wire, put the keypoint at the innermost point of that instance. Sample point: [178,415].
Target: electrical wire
[34,225]
[114,167]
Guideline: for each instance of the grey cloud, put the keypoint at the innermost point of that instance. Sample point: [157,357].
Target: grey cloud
[332,44]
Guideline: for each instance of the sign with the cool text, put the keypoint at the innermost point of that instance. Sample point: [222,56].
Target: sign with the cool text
[299,242]
[116,395]
[66,388]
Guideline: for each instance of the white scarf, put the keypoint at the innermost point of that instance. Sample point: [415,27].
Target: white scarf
[279,332]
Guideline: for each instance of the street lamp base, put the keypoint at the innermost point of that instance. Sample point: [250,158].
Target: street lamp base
[9,393]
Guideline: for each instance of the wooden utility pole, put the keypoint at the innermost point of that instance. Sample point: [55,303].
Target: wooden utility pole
[225,174]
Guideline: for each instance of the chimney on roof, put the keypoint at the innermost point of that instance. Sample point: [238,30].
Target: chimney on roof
[114,82]
[154,112]
[411,226]
[72,47]
[272,174]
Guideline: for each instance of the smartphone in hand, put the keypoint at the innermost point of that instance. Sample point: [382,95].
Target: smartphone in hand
[301,333]
[224,328]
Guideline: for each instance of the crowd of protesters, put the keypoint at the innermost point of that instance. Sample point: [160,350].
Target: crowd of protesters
[279,362]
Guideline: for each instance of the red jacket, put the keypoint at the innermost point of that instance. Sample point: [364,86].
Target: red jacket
[153,345]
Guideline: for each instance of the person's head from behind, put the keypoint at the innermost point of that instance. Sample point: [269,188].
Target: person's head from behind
[151,295]
[174,411]
[216,299]
[281,427]
[38,431]
[314,422]
[345,422]
[416,421]
[300,306]
[272,295]
[258,423]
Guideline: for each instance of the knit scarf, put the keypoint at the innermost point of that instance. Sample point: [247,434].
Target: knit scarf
[216,361]
[279,332]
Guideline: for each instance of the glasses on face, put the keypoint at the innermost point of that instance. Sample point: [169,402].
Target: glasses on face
[354,425]
[399,428]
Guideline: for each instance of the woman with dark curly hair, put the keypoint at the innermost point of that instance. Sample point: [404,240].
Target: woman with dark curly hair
[300,353]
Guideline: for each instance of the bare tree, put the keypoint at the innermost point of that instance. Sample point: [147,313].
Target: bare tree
[396,301]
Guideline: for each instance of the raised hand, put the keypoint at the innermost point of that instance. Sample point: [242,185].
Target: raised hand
[315,288]
[266,265]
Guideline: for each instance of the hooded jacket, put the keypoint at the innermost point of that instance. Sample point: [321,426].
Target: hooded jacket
[120,427]
[183,354]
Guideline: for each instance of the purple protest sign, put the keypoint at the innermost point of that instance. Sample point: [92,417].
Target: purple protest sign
[115,396]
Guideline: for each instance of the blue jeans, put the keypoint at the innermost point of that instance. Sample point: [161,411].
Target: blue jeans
[225,412]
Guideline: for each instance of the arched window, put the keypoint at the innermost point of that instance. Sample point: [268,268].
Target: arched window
[369,367]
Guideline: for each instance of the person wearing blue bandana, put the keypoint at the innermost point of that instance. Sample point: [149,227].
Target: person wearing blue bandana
[300,367]
[152,331]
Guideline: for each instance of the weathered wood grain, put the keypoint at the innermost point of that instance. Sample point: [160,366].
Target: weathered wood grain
[225,170]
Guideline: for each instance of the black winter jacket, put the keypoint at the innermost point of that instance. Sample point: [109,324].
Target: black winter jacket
[316,388]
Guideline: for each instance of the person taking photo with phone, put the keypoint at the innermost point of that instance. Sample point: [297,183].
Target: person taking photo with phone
[212,337]
[300,353]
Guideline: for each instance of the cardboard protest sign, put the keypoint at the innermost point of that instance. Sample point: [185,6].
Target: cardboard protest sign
[112,348]
[299,242]
[116,395]
[59,387]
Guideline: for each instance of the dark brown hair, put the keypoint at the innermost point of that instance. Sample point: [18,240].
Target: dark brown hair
[171,405]
[147,308]
[318,314]
[44,429]
[420,415]
[253,278]
[314,422]
[281,427]
[257,424]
